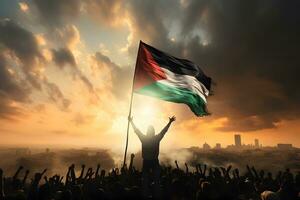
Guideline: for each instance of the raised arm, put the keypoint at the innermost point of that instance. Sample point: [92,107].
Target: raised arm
[82,172]
[97,171]
[1,185]
[34,187]
[136,130]
[25,178]
[131,162]
[17,173]
[164,131]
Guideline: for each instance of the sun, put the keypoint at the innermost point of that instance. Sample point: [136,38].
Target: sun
[147,111]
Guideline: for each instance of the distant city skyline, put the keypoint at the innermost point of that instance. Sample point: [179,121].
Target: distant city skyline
[238,144]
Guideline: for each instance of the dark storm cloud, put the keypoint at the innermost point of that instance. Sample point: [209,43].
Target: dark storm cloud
[193,17]
[24,46]
[121,76]
[152,22]
[57,12]
[252,56]
[63,56]
[9,91]
[9,87]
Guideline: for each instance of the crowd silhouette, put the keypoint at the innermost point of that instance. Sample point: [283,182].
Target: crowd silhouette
[191,182]
[197,181]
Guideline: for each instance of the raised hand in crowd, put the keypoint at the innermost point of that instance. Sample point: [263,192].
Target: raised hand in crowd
[220,183]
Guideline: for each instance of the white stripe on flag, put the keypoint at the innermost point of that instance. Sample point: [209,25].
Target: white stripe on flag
[185,81]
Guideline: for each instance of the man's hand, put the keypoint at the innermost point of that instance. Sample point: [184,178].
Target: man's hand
[130,118]
[172,119]
[132,156]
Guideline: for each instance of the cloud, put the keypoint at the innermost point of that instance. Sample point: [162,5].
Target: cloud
[23,6]
[67,36]
[248,48]
[87,83]
[81,119]
[105,12]
[55,13]
[155,23]
[22,47]
[227,43]
[25,47]
[8,110]
[9,87]
[56,96]
[252,56]
[63,56]
[121,77]
[11,91]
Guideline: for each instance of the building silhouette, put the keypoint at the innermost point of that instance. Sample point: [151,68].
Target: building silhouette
[284,146]
[237,140]
[206,146]
[218,146]
[256,143]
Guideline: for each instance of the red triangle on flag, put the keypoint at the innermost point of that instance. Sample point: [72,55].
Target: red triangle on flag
[147,69]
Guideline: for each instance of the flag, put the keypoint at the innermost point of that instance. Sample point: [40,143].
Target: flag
[168,78]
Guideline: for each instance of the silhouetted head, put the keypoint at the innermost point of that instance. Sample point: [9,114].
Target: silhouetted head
[150,131]
[287,170]
[269,174]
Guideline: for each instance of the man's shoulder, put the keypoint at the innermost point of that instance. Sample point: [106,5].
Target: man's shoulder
[157,138]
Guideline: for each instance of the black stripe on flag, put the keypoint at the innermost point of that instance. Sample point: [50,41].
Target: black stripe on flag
[179,66]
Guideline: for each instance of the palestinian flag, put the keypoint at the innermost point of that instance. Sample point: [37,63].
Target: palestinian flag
[163,76]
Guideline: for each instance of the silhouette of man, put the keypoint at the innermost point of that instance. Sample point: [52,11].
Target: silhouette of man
[150,151]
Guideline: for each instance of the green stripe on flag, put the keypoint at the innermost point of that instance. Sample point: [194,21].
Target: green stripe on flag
[176,95]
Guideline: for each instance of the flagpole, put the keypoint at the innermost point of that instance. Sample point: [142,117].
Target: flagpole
[130,108]
[127,134]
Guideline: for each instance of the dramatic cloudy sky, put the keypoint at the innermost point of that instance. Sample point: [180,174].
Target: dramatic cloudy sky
[66,69]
